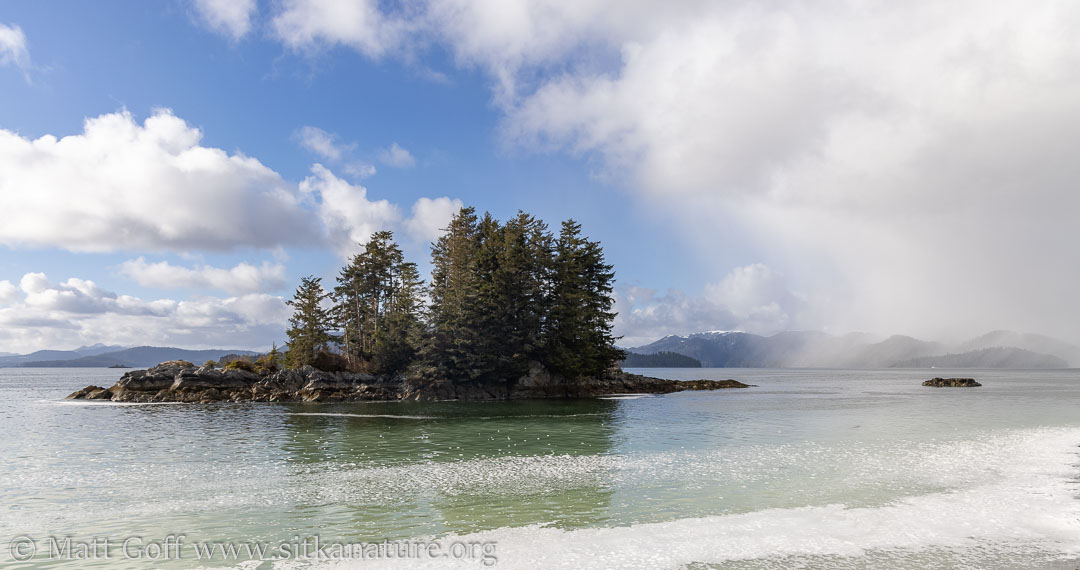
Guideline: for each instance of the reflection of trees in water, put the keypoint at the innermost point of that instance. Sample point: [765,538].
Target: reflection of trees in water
[453,466]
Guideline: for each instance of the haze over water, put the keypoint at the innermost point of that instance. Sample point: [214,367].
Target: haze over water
[860,469]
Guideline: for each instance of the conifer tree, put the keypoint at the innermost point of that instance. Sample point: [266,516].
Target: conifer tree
[397,342]
[485,350]
[530,253]
[309,327]
[512,301]
[579,342]
[377,306]
[453,279]
[501,296]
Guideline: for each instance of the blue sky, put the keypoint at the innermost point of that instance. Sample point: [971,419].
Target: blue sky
[746,167]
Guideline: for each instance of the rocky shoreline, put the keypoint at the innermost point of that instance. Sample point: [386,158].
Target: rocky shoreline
[181,381]
[952,383]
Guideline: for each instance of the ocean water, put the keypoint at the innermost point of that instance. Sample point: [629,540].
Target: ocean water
[810,469]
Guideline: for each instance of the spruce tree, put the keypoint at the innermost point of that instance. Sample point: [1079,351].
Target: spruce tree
[516,301]
[377,307]
[400,332]
[347,311]
[579,342]
[309,327]
[498,328]
[501,295]
[482,335]
[453,279]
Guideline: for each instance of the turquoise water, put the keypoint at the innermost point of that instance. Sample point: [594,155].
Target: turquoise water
[812,468]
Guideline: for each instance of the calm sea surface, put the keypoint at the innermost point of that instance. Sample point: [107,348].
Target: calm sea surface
[811,468]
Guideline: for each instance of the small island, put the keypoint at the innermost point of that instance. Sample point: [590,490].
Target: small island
[180,381]
[662,359]
[511,311]
[952,383]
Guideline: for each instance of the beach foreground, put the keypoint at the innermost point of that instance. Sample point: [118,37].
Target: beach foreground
[834,469]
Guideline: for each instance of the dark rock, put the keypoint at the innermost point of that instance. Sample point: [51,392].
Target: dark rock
[85,393]
[325,381]
[314,396]
[422,389]
[952,383]
[378,392]
[101,394]
[626,383]
[145,381]
[121,395]
[210,395]
[217,381]
[281,381]
[170,368]
[242,377]
[538,382]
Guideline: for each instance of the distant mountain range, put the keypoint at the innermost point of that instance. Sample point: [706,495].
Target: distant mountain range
[998,349]
[100,356]
[8,359]
[719,349]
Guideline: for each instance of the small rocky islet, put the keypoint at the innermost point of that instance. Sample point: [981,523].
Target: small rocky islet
[952,383]
[181,381]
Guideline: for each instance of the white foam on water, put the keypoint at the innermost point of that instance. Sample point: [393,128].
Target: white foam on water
[624,397]
[1024,499]
[345,415]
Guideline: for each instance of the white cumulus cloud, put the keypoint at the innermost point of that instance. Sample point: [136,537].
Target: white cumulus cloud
[82,297]
[33,283]
[348,215]
[77,312]
[228,17]
[360,24]
[121,185]
[8,292]
[240,279]
[13,50]
[430,216]
[321,143]
[397,156]
[328,147]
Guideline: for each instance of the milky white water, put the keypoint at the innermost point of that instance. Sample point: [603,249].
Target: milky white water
[834,469]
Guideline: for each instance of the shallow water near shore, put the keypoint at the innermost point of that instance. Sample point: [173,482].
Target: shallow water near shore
[811,468]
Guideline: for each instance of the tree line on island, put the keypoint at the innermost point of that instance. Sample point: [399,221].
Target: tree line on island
[662,359]
[501,296]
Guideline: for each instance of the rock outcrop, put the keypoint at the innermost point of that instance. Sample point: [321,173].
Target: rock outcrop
[180,381]
[952,383]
